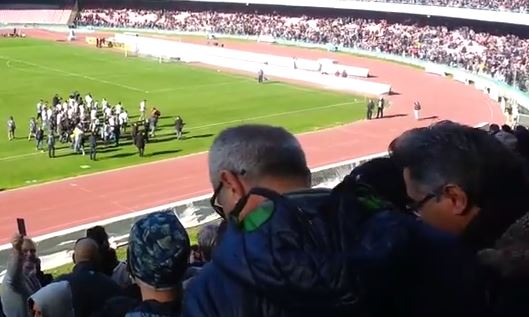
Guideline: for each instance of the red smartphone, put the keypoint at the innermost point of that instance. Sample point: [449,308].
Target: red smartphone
[21,226]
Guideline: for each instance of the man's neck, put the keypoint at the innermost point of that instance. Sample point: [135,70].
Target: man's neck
[282,186]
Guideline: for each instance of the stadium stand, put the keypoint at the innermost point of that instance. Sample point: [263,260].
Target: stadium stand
[36,12]
[521,6]
[500,56]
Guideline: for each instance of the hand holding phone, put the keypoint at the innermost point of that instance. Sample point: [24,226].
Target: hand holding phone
[21,227]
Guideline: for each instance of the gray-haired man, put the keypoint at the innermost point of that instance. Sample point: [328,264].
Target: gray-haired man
[241,160]
[255,156]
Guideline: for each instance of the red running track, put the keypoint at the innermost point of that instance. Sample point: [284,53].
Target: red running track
[96,197]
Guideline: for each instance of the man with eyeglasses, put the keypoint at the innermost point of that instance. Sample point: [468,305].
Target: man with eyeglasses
[21,279]
[247,275]
[316,252]
[466,183]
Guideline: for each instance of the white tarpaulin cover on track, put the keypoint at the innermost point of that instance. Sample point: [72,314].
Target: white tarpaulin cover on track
[273,66]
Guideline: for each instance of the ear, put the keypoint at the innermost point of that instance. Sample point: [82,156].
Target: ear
[458,199]
[232,184]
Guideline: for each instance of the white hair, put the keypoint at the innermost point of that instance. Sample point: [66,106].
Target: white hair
[255,151]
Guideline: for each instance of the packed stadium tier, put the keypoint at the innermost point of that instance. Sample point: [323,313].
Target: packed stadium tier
[503,57]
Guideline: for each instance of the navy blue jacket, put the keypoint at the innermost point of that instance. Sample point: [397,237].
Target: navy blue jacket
[310,257]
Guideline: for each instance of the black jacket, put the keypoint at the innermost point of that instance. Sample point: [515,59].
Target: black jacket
[90,288]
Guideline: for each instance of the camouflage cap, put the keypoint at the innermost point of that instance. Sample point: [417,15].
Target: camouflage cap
[158,251]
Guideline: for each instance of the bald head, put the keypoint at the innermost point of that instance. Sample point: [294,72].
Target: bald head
[85,250]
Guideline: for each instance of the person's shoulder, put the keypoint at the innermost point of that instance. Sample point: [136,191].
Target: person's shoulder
[213,293]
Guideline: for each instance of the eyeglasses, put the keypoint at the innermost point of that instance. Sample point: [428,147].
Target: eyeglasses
[214,204]
[213,200]
[415,207]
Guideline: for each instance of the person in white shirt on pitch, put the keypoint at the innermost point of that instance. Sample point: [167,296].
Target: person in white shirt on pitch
[123,120]
[88,99]
[143,107]
[59,118]
[94,125]
[111,121]
[70,113]
[108,112]
[40,104]
[44,115]
[81,110]
[118,107]
[93,114]
[104,103]
[49,113]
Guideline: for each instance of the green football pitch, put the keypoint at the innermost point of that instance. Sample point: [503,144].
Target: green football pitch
[208,101]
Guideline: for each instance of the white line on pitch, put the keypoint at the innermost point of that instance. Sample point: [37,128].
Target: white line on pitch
[224,83]
[270,115]
[73,74]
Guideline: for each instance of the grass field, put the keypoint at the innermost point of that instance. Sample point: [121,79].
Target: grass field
[207,100]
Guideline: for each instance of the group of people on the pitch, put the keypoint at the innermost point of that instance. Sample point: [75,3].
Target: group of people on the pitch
[381,104]
[80,119]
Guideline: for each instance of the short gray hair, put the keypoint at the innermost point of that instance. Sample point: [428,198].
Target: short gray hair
[207,240]
[256,151]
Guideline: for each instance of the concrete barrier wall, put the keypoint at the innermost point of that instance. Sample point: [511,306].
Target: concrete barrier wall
[276,66]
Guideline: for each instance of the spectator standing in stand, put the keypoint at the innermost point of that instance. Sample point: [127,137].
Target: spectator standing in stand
[21,277]
[108,260]
[89,287]
[465,182]
[158,255]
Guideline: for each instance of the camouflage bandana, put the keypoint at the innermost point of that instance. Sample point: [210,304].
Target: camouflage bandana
[158,250]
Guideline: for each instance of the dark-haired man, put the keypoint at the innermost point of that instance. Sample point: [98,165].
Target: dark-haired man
[464,182]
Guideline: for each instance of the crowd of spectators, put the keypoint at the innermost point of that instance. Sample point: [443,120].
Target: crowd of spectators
[439,228]
[503,57]
[518,6]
